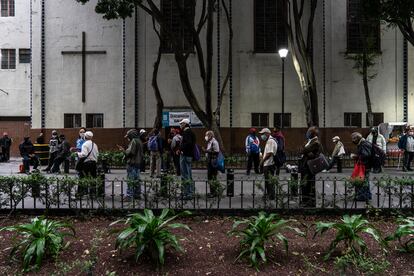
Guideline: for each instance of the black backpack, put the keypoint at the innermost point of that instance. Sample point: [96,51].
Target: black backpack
[280,157]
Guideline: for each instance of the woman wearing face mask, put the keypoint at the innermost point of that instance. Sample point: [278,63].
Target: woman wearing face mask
[212,152]
[310,151]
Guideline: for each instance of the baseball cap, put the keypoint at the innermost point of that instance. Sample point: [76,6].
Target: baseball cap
[265,130]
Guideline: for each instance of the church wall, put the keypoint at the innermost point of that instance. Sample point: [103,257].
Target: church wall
[15,34]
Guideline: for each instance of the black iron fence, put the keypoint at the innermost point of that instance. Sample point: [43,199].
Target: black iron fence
[38,192]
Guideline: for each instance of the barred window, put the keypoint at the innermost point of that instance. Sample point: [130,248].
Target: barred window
[177,25]
[362,32]
[7,8]
[287,120]
[378,118]
[260,119]
[8,59]
[72,120]
[24,55]
[269,25]
[352,119]
[94,120]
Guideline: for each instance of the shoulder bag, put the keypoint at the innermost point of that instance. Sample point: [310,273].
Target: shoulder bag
[81,161]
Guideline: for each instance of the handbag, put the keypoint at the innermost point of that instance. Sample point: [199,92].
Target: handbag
[318,164]
[81,161]
[359,171]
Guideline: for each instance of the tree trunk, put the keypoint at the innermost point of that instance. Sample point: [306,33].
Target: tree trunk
[366,90]
[160,103]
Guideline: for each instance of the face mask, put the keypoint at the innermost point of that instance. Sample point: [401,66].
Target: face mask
[206,138]
[264,137]
[82,135]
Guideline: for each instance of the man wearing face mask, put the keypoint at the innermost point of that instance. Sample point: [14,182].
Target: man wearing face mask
[406,143]
[363,155]
[267,161]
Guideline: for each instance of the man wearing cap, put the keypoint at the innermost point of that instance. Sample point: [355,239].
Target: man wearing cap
[90,152]
[6,143]
[267,161]
[337,154]
[53,150]
[133,157]
[186,157]
[252,145]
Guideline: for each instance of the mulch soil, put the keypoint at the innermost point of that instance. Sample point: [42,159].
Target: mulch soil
[208,250]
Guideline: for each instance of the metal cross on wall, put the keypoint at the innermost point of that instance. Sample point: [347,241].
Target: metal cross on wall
[83,53]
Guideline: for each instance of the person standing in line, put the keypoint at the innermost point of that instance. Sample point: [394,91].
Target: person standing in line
[144,141]
[6,143]
[280,157]
[378,139]
[406,143]
[90,152]
[62,154]
[155,148]
[364,149]
[252,144]
[53,150]
[212,151]
[133,156]
[311,150]
[175,148]
[337,154]
[186,158]
[267,161]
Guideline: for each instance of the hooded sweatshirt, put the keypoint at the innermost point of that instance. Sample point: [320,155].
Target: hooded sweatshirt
[134,152]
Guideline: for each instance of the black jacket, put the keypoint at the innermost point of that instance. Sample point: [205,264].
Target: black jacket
[26,148]
[364,149]
[188,142]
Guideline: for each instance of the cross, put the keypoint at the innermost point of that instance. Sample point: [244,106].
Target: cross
[83,53]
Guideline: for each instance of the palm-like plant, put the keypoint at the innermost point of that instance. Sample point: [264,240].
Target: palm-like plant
[349,232]
[404,234]
[39,238]
[150,234]
[260,231]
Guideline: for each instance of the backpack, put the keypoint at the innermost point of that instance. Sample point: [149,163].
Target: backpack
[280,157]
[197,153]
[153,143]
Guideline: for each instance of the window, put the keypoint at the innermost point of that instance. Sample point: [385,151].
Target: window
[260,119]
[176,24]
[94,120]
[7,8]
[352,120]
[24,55]
[362,32]
[277,120]
[8,59]
[378,118]
[269,26]
[72,120]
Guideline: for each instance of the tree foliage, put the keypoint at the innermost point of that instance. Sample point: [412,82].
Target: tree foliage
[396,13]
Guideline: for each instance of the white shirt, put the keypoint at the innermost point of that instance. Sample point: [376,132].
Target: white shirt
[86,148]
[271,146]
[410,144]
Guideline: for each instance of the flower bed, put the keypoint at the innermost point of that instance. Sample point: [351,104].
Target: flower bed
[208,250]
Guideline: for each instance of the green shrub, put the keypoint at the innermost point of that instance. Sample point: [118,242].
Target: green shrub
[404,234]
[261,231]
[149,234]
[39,238]
[349,232]
[369,266]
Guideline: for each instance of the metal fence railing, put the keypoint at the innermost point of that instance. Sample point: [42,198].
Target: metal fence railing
[167,192]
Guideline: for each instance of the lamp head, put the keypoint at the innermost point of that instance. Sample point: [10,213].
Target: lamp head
[283,52]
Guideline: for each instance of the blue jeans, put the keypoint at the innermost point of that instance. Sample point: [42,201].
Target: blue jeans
[134,185]
[186,175]
[26,162]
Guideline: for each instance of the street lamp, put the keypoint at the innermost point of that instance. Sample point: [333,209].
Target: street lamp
[283,54]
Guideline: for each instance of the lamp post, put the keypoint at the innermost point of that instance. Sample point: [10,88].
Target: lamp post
[283,54]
